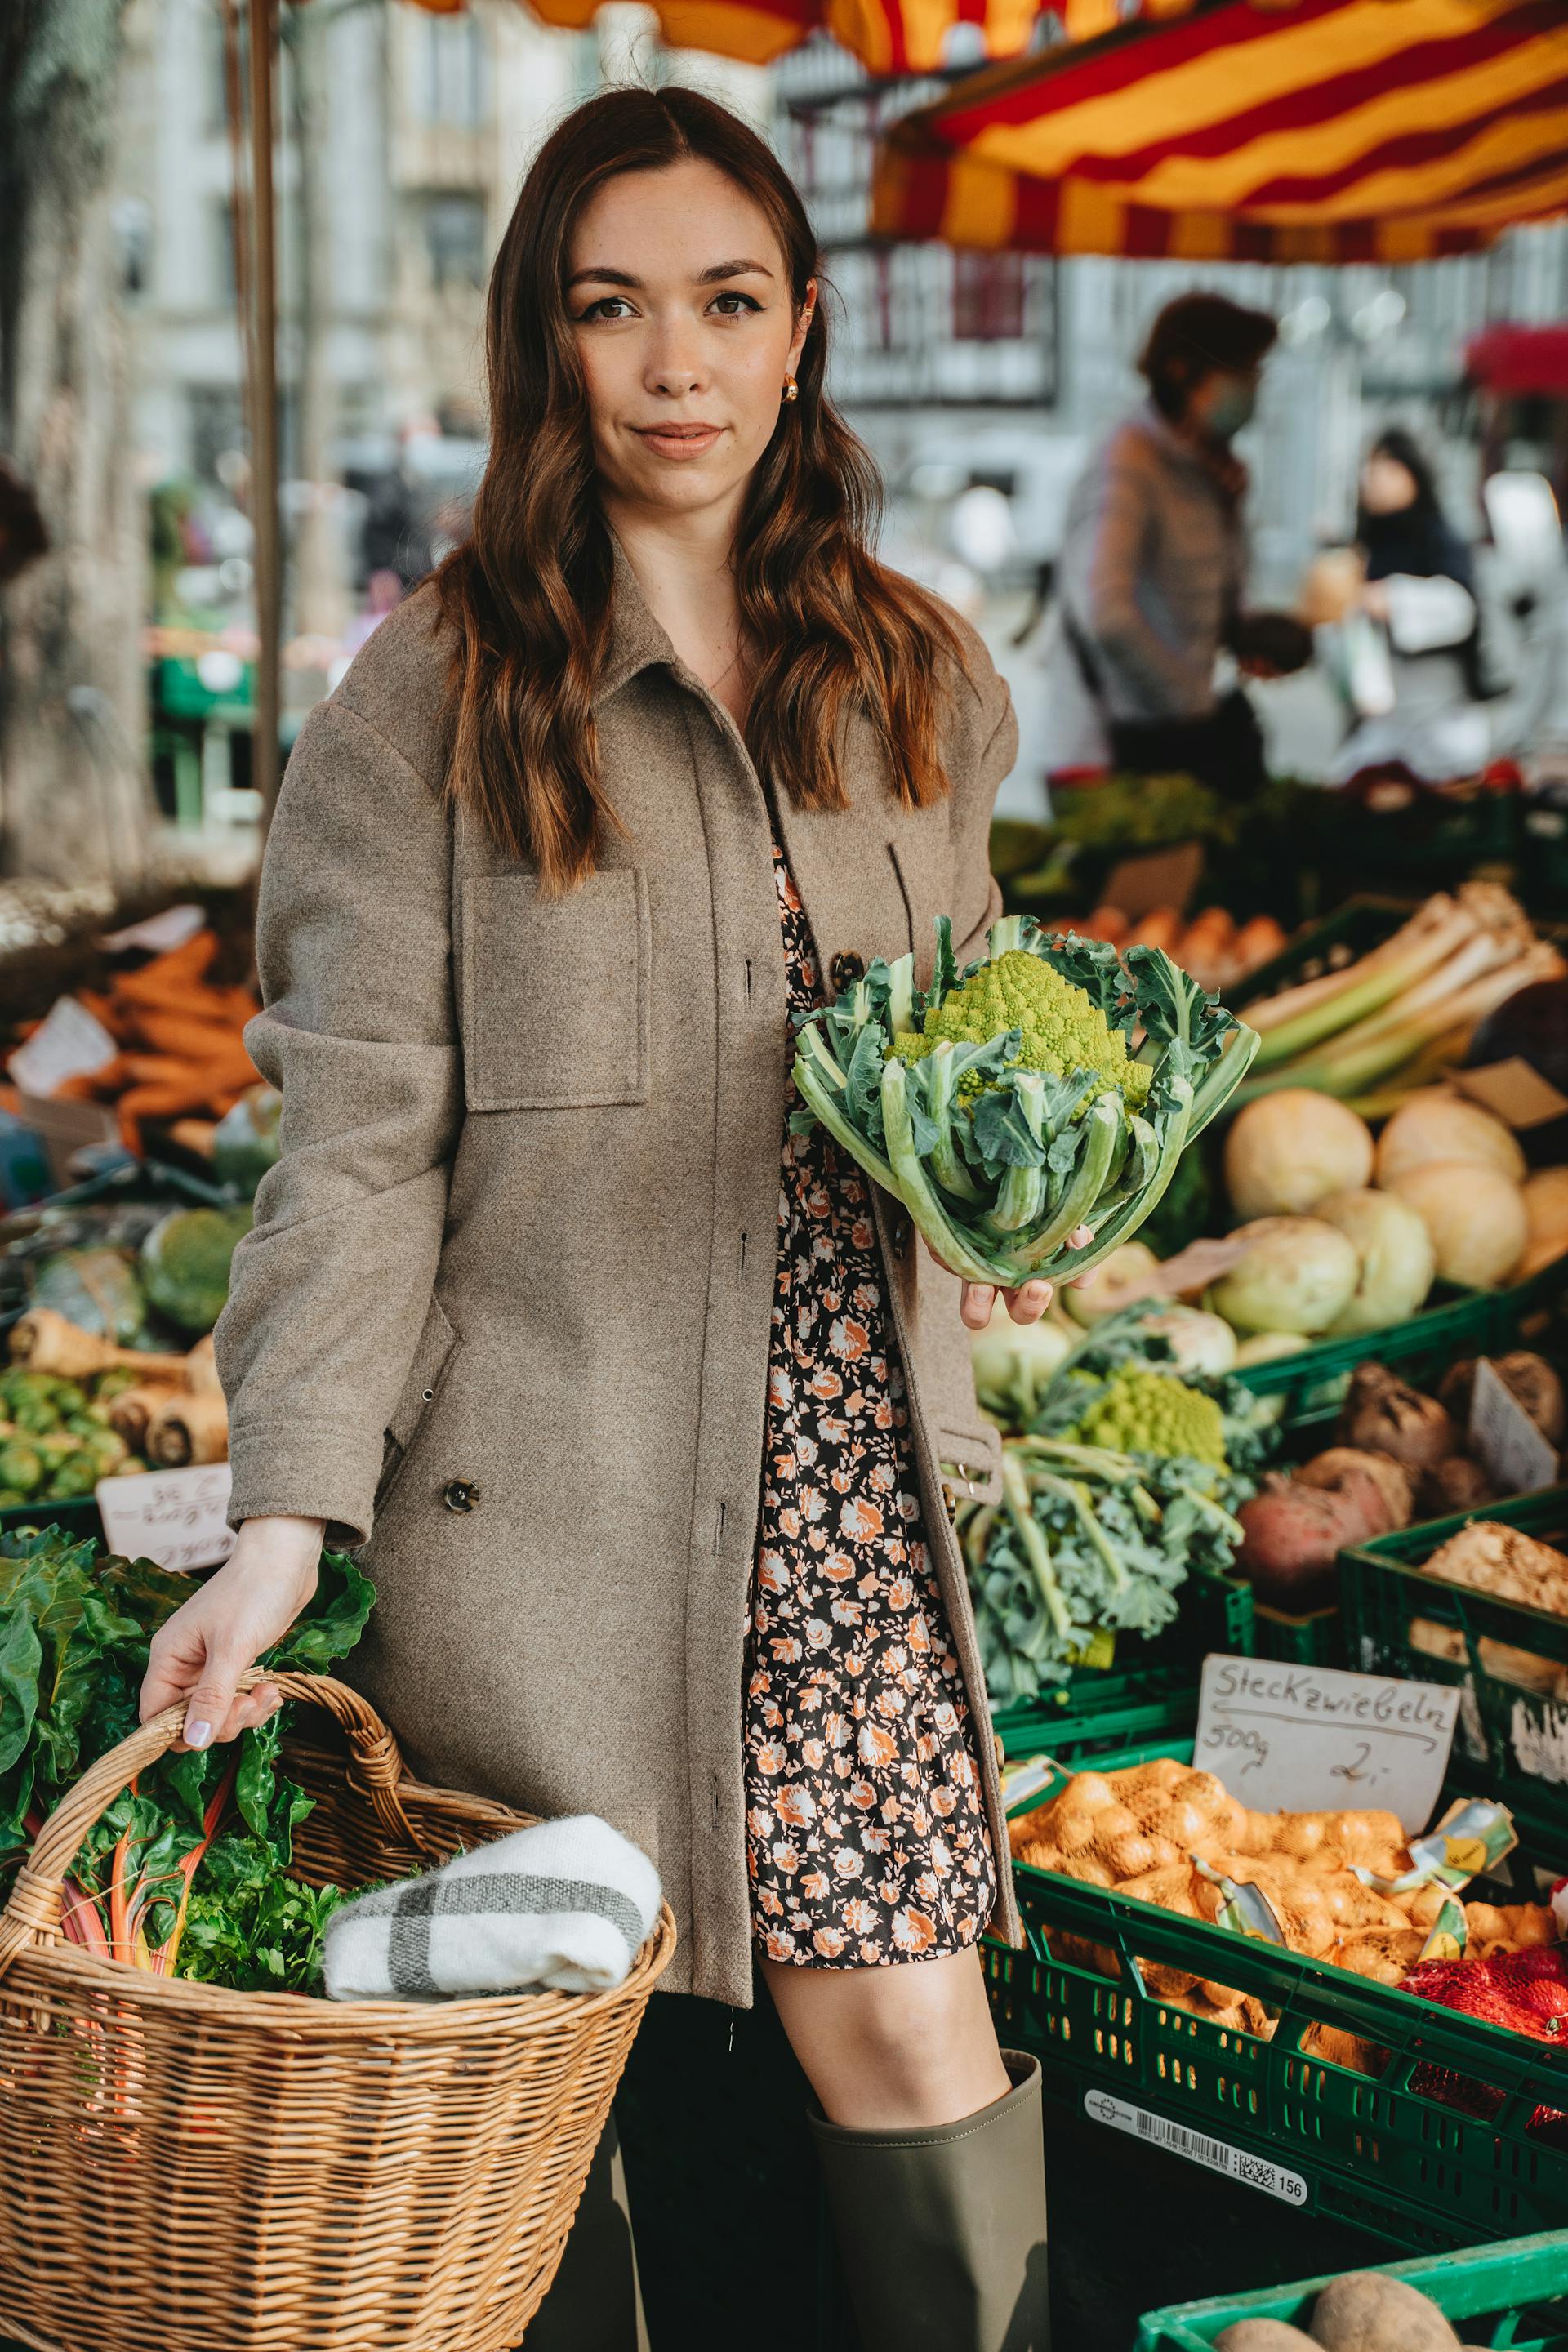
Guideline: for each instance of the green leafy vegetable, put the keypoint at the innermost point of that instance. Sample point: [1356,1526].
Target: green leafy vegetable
[1093,1541]
[1047,1086]
[75,1630]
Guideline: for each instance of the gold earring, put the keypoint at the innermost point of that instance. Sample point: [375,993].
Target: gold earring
[791,389]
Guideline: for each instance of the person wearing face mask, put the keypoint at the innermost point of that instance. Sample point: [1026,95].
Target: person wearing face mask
[1154,559]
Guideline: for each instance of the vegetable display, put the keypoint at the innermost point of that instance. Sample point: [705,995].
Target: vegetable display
[1127,1481]
[1373,1030]
[1213,948]
[1045,1087]
[180,1037]
[186,1873]
[1361,2311]
[1441,1161]
[1340,1888]
[1401,1457]
[74,1409]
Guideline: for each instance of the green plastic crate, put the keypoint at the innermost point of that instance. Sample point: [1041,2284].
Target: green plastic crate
[1151,1685]
[1377,2155]
[1311,1386]
[1315,1638]
[1520,1734]
[79,1516]
[1516,2289]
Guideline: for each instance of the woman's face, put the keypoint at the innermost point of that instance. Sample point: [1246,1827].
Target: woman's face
[1386,485]
[680,303]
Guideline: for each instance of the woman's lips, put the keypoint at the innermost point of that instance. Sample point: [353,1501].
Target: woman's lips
[677,440]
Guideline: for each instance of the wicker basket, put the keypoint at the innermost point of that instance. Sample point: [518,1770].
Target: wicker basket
[187,2167]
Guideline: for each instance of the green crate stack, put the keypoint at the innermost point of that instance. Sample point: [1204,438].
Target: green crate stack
[1516,2289]
[1377,2155]
[1151,1687]
[1400,1622]
[1315,1638]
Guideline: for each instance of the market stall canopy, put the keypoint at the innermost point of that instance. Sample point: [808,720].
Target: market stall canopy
[889,36]
[1327,131]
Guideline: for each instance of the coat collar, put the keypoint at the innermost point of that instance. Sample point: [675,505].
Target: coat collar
[636,640]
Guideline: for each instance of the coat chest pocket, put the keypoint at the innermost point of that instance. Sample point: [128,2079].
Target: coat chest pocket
[556,993]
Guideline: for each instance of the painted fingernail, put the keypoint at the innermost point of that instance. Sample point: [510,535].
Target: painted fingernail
[198,1735]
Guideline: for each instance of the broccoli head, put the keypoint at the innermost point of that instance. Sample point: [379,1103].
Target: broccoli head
[1142,1412]
[1063,1029]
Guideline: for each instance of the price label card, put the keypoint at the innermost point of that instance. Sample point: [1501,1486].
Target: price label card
[1310,1740]
[68,1042]
[1514,1455]
[175,1518]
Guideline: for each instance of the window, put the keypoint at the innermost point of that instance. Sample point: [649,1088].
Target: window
[455,238]
[449,76]
[987,297]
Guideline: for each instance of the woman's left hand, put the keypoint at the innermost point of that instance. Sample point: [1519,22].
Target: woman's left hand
[1025,1305]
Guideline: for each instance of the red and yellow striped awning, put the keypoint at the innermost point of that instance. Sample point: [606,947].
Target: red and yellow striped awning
[1374,130]
[888,37]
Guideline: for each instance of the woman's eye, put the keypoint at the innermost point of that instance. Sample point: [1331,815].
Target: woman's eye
[608,306]
[743,303]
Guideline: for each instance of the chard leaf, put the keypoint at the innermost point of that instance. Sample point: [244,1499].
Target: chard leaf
[21,1655]
[336,1618]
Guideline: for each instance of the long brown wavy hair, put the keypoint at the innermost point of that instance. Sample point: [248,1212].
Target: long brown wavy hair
[528,591]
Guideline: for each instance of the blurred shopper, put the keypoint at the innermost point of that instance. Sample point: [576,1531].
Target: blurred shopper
[1155,559]
[1404,647]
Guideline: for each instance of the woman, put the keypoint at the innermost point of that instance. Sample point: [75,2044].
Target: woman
[642,1443]
[1154,559]
[1408,658]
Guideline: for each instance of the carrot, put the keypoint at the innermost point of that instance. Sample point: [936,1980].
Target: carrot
[186,1869]
[119,1899]
[169,979]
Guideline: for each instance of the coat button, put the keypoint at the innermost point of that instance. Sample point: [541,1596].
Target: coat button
[845,969]
[460,1495]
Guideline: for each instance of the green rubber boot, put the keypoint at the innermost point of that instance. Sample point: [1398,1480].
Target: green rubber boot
[942,2231]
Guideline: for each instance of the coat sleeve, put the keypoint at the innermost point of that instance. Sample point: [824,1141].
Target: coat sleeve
[1100,568]
[331,1289]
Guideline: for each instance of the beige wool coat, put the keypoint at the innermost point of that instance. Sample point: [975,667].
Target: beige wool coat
[503,1320]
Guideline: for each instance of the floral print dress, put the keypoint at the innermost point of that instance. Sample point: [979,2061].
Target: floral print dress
[867,1839]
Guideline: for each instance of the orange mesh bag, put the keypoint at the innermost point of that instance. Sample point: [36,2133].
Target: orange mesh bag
[247,2172]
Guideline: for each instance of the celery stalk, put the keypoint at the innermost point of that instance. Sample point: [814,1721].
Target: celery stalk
[1366,987]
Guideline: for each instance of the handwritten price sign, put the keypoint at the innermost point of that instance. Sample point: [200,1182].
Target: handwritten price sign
[177,1518]
[1313,1740]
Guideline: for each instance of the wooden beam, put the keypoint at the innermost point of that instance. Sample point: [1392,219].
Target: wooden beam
[267,554]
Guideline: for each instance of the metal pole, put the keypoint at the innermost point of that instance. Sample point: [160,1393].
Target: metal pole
[264,408]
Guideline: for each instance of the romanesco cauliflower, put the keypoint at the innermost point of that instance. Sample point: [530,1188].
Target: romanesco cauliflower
[1063,1029]
[1153,1412]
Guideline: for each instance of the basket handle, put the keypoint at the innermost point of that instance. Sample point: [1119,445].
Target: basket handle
[32,1916]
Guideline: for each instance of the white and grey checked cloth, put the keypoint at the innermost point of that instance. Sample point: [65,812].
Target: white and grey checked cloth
[562,1907]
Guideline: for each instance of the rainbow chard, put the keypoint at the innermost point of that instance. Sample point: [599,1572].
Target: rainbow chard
[1046,1088]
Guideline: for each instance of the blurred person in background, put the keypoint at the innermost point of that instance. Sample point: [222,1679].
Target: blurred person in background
[1154,559]
[1403,639]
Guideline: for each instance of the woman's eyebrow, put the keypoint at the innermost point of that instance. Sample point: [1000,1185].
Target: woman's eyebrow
[607,276]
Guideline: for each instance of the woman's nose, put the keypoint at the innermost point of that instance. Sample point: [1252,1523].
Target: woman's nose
[675,364]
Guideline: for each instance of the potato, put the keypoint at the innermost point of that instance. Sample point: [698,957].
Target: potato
[1262,2336]
[1367,2310]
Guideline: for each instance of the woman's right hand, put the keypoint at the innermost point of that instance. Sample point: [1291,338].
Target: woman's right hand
[244,1607]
